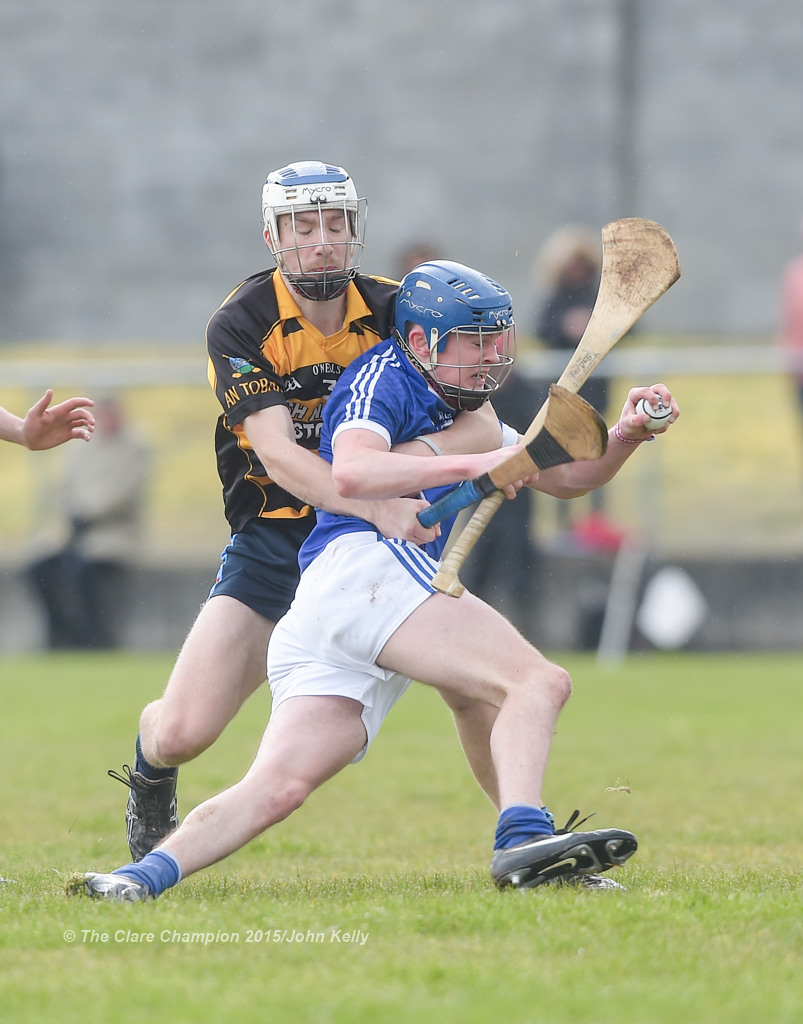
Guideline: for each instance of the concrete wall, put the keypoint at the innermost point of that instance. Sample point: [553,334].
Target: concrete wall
[753,605]
[134,139]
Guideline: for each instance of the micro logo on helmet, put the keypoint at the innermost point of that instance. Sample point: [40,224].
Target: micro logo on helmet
[318,193]
[416,308]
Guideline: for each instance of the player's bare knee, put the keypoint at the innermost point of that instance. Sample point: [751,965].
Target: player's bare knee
[177,739]
[161,743]
[284,798]
[294,793]
[543,679]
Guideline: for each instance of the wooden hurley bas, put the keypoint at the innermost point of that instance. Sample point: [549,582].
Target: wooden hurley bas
[639,263]
[572,431]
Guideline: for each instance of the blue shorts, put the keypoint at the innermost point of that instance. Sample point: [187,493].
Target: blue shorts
[259,567]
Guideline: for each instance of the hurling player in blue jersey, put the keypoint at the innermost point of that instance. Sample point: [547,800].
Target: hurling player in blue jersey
[366,620]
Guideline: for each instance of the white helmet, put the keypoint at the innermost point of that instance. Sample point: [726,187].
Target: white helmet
[310,185]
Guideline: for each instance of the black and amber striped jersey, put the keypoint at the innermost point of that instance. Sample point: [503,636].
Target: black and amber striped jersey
[262,352]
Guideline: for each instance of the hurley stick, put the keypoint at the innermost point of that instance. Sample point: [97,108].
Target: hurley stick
[639,263]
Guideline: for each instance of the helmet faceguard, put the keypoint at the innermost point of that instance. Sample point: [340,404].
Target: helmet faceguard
[323,190]
[467,320]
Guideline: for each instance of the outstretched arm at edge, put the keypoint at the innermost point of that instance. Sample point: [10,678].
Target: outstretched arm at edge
[44,428]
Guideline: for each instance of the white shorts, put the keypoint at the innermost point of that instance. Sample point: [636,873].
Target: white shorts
[349,602]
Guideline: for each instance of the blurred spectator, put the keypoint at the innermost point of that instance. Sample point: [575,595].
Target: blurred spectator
[791,321]
[503,566]
[568,269]
[83,586]
[416,251]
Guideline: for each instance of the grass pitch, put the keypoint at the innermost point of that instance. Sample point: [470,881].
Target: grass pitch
[373,902]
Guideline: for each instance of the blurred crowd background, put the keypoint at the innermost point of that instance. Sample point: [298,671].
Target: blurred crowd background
[134,140]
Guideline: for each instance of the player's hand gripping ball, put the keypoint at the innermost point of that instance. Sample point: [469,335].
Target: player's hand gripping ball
[659,413]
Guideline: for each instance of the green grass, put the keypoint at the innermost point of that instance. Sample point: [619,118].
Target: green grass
[396,849]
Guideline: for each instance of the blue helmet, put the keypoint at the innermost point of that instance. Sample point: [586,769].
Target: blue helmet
[449,300]
[313,186]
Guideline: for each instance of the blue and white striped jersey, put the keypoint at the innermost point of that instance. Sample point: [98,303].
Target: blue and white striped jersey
[381,391]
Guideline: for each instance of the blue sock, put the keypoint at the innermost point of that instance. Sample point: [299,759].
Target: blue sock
[158,870]
[147,769]
[521,822]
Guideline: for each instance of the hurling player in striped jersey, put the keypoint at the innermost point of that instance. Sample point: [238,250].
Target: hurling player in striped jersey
[366,619]
[276,347]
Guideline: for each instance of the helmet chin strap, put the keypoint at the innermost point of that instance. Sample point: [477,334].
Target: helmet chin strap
[463,400]
[456,398]
[320,287]
[459,399]
[424,366]
[453,401]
